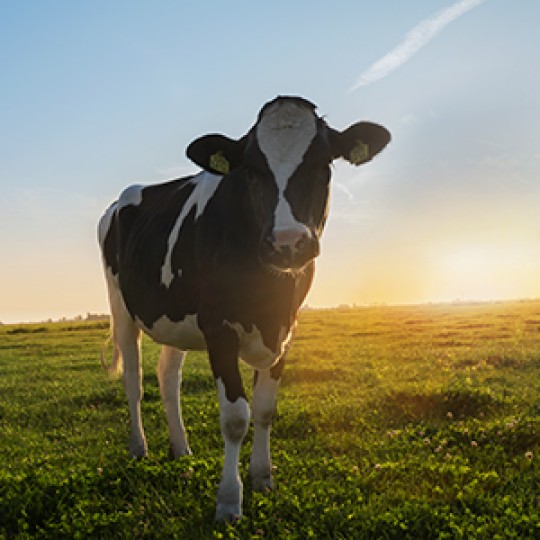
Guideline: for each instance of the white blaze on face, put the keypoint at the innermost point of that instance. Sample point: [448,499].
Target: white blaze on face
[284,134]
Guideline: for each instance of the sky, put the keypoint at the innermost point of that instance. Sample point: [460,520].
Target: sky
[98,95]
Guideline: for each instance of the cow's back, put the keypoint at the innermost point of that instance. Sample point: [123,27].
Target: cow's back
[148,242]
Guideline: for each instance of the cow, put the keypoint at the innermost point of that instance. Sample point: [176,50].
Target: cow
[222,261]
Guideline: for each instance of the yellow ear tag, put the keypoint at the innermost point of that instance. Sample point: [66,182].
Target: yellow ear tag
[219,163]
[359,153]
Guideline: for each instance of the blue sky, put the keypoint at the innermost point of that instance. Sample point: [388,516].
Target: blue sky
[98,95]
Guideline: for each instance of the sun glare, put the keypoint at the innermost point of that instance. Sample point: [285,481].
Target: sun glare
[456,271]
[468,274]
[483,272]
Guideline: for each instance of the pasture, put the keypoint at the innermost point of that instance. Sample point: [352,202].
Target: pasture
[393,422]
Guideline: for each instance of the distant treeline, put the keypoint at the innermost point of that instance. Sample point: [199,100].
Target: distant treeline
[79,318]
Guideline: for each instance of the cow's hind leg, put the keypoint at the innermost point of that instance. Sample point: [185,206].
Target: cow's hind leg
[170,378]
[126,339]
[264,408]
[131,354]
[129,343]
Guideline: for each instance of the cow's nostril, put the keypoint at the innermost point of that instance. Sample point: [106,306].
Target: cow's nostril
[290,237]
[302,243]
[289,248]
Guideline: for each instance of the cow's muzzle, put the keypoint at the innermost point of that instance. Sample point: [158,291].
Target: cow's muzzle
[289,249]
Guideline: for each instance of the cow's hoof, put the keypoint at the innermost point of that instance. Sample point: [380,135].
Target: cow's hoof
[228,513]
[138,456]
[138,449]
[261,478]
[262,483]
[179,452]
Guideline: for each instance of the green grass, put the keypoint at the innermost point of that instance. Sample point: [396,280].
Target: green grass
[394,422]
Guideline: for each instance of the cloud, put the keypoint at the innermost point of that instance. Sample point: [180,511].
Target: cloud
[414,40]
[344,189]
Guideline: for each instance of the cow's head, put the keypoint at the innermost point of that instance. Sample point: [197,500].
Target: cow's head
[286,158]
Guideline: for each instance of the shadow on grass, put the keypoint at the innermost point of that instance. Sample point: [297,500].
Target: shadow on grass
[458,402]
[112,398]
[311,375]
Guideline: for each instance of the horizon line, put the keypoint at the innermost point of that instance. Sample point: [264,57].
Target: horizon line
[96,317]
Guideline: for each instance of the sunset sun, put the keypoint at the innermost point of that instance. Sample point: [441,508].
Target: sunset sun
[480,272]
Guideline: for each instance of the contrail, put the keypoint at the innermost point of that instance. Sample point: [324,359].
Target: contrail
[414,40]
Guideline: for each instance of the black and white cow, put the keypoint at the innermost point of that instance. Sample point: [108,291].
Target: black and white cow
[222,261]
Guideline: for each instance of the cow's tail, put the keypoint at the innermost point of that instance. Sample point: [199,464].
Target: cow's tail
[114,367]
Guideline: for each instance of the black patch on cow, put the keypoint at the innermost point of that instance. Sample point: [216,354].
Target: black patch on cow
[308,188]
[142,239]
[110,245]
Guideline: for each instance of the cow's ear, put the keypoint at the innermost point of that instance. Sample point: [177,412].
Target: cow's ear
[216,153]
[360,142]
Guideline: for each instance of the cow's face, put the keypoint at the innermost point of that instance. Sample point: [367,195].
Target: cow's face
[286,160]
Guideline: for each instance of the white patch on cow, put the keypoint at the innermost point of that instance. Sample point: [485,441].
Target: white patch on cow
[284,134]
[229,410]
[254,352]
[131,196]
[105,223]
[234,420]
[184,334]
[205,186]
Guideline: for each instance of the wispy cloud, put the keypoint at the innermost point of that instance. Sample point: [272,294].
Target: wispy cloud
[414,40]
[345,190]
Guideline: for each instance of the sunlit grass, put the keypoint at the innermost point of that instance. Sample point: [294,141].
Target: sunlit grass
[393,422]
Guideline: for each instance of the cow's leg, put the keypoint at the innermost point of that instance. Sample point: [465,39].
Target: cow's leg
[170,378]
[234,421]
[264,408]
[126,339]
[131,354]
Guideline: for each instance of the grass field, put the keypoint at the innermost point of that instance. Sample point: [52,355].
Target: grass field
[394,422]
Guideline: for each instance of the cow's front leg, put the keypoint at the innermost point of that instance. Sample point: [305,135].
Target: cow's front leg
[234,421]
[264,408]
